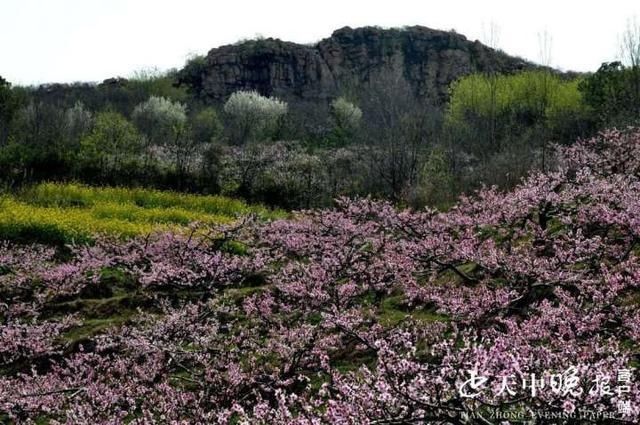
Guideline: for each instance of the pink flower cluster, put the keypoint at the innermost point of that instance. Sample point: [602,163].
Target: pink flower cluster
[359,314]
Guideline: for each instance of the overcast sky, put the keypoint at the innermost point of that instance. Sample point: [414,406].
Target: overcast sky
[90,40]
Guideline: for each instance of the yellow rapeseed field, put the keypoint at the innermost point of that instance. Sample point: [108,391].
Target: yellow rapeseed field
[67,213]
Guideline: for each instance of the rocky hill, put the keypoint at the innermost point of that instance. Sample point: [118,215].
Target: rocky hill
[428,59]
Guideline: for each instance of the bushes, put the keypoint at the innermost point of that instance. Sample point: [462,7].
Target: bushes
[292,176]
[347,119]
[435,181]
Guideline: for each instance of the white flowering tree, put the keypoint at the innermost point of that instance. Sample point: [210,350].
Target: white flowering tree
[347,115]
[78,122]
[253,116]
[161,120]
[165,124]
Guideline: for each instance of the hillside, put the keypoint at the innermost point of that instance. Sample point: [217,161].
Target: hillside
[345,121]
[428,59]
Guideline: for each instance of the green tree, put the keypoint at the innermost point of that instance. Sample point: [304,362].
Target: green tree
[153,82]
[609,92]
[347,118]
[192,75]
[435,185]
[529,109]
[206,126]
[113,144]
[614,90]
[10,103]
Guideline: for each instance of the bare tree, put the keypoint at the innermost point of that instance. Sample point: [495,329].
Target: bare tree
[491,38]
[545,42]
[630,56]
[397,131]
[545,48]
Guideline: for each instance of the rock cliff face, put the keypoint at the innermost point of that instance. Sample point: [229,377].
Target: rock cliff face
[428,59]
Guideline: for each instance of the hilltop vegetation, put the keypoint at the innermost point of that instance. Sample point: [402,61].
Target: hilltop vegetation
[428,60]
[389,132]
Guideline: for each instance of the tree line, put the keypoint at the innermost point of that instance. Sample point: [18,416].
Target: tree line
[378,139]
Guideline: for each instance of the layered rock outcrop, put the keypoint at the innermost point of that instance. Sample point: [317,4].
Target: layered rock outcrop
[428,59]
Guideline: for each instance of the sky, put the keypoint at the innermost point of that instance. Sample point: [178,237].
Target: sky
[45,41]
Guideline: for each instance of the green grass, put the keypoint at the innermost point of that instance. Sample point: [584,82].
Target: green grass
[393,310]
[66,213]
[92,327]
